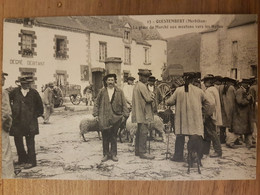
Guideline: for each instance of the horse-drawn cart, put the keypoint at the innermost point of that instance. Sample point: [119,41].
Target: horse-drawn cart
[73,92]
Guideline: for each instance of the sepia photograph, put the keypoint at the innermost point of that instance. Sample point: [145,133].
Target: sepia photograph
[130,97]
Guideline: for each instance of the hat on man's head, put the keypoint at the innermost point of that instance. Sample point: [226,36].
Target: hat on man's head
[4,74]
[51,84]
[152,79]
[144,72]
[191,75]
[246,81]
[218,78]
[109,75]
[208,77]
[228,79]
[130,78]
[25,79]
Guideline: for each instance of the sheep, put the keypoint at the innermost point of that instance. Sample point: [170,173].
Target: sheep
[157,125]
[87,125]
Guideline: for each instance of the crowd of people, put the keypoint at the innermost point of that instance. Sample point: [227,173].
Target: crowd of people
[220,110]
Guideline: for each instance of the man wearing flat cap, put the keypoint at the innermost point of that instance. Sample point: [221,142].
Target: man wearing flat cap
[142,113]
[111,111]
[7,159]
[189,101]
[26,106]
[48,102]
[128,91]
[211,122]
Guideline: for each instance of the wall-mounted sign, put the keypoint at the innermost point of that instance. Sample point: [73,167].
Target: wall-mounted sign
[28,62]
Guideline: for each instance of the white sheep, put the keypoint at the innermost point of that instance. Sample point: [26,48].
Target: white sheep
[89,124]
[157,125]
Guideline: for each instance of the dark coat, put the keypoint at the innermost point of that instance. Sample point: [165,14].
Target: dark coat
[253,91]
[25,111]
[106,110]
[227,101]
[241,114]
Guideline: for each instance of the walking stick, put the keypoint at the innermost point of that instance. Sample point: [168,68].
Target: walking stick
[168,140]
[149,140]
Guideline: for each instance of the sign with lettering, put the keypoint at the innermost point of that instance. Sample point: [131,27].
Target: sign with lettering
[28,62]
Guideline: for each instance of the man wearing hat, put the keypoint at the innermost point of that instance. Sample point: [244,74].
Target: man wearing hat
[152,88]
[227,100]
[189,101]
[128,91]
[111,110]
[211,122]
[48,102]
[7,159]
[142,113]
[26,106]
[253,91]
[241,116]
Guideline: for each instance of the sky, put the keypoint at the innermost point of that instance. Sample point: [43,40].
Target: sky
[174,25]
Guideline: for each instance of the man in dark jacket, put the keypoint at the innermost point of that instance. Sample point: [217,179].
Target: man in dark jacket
[26,107]
[111,110]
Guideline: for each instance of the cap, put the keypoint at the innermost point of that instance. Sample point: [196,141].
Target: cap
[151,79]
[144,72]
[131,78]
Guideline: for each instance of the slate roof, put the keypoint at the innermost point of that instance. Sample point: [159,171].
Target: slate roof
[105,25]
[239,20]
[243,19]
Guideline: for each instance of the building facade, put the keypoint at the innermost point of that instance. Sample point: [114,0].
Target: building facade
[78,50]
[230,48]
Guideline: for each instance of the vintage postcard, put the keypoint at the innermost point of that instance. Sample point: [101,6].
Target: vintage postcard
[131,97]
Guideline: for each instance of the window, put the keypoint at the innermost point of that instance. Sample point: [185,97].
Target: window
[147,55]
[61,79]
[27,43]
[102,51]
[127,36]
[60,47]
[234,52]
[233,73]
[127,55]
[253,70]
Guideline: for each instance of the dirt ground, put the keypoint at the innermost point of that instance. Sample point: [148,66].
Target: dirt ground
[62,154]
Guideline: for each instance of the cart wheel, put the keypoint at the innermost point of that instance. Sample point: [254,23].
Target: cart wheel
[164,89]
[75,99]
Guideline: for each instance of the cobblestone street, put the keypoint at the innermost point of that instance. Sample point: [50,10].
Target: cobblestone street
[62,154]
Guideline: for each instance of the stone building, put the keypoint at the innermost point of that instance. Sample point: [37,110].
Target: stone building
[79,50]
[229,48]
